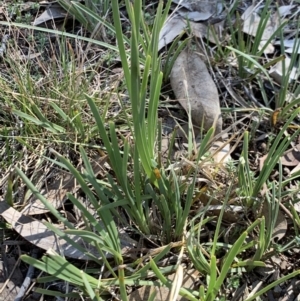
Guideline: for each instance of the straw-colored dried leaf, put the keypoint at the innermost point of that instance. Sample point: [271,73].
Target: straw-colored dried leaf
[196,91]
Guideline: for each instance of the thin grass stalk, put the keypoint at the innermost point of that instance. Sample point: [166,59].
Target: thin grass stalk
[261,245]
[55,293]
[251,60]
[92,220]
[121,44]
[182,216]
[104,240]
[144,85]
[138,191]
[205,144]
[281,100]
[106,217]
[235,249]
[145,37]
[119,165]
[152,295]
[273,284]
[72,243]
[88,287]
[163,279]
[173,52]
[44,201]
[265,16]
[275,152]
[156,79]
[194,249]
[138,114]
[218,227]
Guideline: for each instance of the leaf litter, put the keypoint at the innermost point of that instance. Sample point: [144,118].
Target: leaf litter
[167,39]
[177,23]
[56,192]
[11,278]
[38,234]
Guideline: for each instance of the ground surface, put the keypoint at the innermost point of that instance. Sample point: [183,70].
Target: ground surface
[39,68]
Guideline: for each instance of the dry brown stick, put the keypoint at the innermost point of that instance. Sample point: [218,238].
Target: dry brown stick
[27,279]
[10,275]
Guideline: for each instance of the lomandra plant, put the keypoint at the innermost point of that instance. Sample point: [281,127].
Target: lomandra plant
[139,182]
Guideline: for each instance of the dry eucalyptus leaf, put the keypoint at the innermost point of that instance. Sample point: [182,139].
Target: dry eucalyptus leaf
[285,10]
[276,72]
[269,48]
[194,15]
[292,45]
[200,30]
[176,25]
[280,228]
[293,50]
[295,169]
[291,157]
[262,161]
[194,88]
[251,26]
[202,9]
[251,23]
[288,43]
[52,12]
[221,152]
[171,29]
[39,235]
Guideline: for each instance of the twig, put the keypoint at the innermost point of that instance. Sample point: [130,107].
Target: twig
[10,275]
[27,279]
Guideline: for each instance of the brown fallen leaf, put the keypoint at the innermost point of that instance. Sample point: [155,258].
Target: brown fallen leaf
[51,13]
[280,228]
[198,10]
[38,234]
[251,26]
[171,29]
[194,88]
[177,24]
[211,33]
[291,157]
[221,152]
[278,74]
